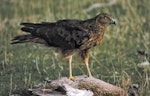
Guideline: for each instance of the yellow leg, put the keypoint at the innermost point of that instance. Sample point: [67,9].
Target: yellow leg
[87,67]
[70,67]
[71,77]
[85,57]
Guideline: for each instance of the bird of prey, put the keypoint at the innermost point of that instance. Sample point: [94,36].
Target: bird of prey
[69,36]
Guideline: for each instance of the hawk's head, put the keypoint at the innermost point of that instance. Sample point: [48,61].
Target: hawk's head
[105,19]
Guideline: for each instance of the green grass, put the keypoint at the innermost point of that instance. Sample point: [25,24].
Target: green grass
[115,60]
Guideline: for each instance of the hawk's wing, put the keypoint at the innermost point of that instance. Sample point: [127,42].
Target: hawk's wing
[65,34]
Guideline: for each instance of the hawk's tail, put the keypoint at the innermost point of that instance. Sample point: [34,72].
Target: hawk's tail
[30,28]
[27,38]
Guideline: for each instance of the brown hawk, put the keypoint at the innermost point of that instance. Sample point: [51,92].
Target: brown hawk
[68,36]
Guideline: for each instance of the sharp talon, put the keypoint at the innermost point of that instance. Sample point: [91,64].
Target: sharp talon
[72,78]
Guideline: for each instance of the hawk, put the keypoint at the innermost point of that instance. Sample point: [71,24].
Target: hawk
[69,36]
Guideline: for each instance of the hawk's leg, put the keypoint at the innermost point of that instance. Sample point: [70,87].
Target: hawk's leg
[87,66]
[70,67]
[85,57]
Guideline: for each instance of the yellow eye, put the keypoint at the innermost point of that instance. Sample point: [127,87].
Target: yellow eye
[105,18]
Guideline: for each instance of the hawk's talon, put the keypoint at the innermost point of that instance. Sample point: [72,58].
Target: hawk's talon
[72,78]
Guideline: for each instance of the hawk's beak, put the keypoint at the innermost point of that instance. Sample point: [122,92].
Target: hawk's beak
[113,21]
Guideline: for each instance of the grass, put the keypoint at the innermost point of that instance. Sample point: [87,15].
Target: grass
[115,60]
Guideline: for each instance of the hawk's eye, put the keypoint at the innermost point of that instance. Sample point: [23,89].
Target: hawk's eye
[105,18]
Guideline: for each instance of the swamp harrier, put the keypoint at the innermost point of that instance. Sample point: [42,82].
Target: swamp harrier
[68,36]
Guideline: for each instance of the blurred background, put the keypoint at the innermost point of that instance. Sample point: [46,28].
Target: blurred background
[119,60]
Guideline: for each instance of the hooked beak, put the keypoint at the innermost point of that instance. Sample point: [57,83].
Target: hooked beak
[113,21]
